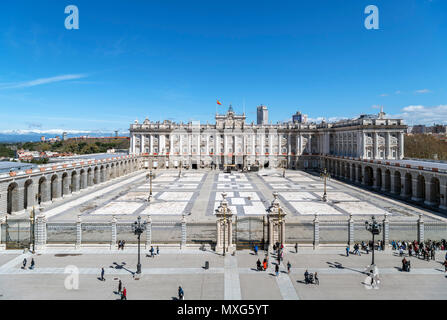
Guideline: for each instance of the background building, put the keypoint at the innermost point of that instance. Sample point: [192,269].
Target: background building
[298,117]
[262,115]
[231,141]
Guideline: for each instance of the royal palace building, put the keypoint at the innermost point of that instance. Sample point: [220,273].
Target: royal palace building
[231,142]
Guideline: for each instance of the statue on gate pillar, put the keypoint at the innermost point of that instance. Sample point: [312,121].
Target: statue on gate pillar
[276,222]
[224,215]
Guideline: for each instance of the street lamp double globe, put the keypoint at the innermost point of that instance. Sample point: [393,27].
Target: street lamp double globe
[138,228]
[375,228]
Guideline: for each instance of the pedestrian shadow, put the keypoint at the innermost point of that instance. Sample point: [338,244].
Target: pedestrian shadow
[121,266]
[301,281]
[338,265]
[398,268]
[174,298]
[342,255]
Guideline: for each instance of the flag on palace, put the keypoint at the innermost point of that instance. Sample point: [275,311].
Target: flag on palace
[218,102]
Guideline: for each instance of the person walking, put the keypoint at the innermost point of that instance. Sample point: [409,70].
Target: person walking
[32,264]
[158,250]
[445,265]
[24,263]
[288,267]
[120,286]
[317,281]
[181,294]
[258,265]
[264,264]
[152,251]
[255,249]
[277,270]
[124,294]
[296,247]
[347,251]
[102,275]
[122,244]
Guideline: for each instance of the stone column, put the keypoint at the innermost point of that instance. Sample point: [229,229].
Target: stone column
[316,232]
[113,243]
[386,231]
[76,182]
[401,145]
[41,232]
[224,227]
[420,229]
[428,187]
[97,176]
[78,232]
[376,178]
[402,186]
[414,188]
[351,238]
[392,182]
[148,232]
[183,243]
[90,179]
[383,189]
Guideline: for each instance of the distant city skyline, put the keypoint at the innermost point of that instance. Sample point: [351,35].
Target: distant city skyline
[171,61]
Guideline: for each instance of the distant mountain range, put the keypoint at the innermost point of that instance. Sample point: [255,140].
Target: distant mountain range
[14,136]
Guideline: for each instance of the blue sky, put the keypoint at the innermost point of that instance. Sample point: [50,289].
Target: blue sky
[173,59]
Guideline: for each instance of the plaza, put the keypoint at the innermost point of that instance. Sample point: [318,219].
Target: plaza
[228,278]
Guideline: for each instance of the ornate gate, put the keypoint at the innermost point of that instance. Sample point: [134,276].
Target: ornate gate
[250,231]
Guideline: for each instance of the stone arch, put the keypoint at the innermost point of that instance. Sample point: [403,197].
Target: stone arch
[65,186]
[408,187]
[369,176]
[379,182]
[12,200]
[27,193]
[353,172]
[54,187]
[420,187]
[89,177]
[397,182]
[112,171]
[82,179]
[348,171]
[387,180]
[96,175]
[42,190]
[359,173]
[435,192]
[102,174]
[74,185]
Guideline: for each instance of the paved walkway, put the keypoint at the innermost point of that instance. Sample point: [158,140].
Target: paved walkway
[231,279]
[90,196]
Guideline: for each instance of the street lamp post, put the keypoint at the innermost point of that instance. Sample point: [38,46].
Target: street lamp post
[374,227]
[280,225]
[325,175]
[32,229]
[150,175]
[180,169]
[138,229]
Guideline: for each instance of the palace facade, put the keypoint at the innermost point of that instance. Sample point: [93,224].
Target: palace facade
[232,141]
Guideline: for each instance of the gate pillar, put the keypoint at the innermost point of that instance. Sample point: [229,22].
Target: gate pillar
[277,223]
[224,241]
[2,244]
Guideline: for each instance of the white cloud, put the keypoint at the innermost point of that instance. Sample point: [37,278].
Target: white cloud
[384,95]
[422,91]
[41,81]
[423,115]
[49,131]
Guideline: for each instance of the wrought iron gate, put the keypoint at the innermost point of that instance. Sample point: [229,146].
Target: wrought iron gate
[18,233]
[250,231]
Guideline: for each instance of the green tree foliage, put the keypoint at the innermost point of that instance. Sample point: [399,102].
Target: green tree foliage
[423,146]
[6,151]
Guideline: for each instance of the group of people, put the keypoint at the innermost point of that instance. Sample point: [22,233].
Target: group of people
[121,244]
[31,265]
[152,251]
[365,246]
[425,250]
[310,278]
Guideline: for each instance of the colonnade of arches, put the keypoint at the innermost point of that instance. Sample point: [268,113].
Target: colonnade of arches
[410,184]
[24,193]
